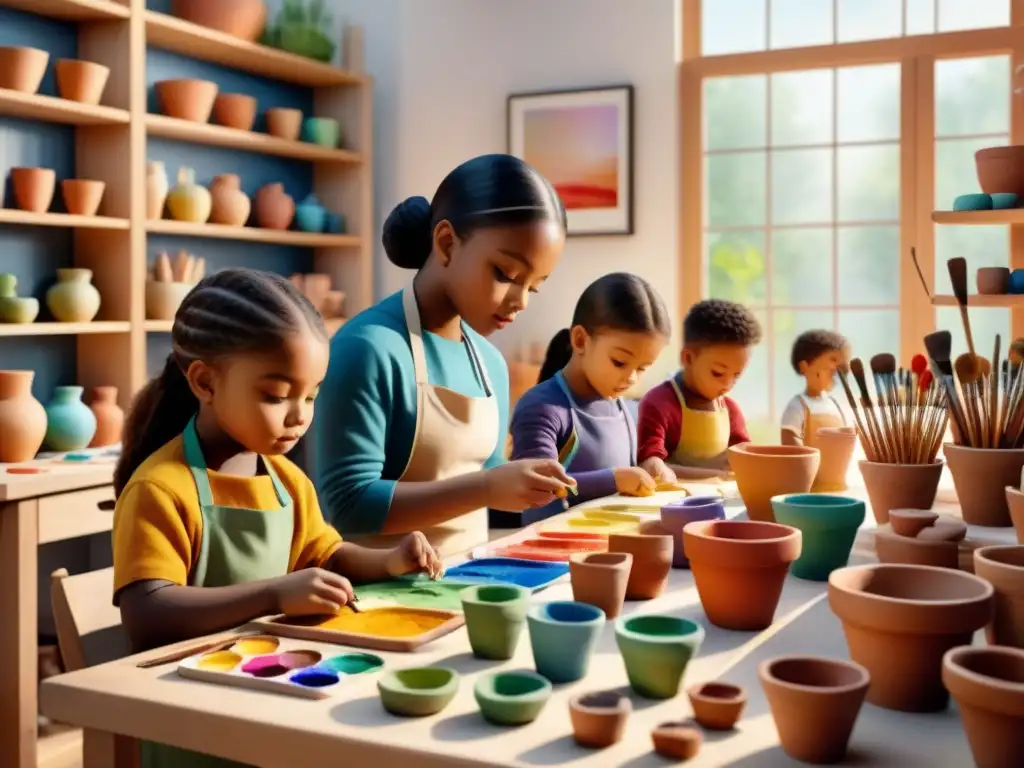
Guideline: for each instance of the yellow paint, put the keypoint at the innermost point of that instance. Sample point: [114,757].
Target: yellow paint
[611,517]
[385,622]
[256,646]
[667,487]
[588,525]
[219,661]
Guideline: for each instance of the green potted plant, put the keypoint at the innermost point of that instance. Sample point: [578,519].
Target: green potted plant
[302,28]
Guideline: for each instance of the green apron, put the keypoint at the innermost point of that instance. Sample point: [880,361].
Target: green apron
[235,545]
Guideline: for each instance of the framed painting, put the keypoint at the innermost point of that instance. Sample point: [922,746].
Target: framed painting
[582,141]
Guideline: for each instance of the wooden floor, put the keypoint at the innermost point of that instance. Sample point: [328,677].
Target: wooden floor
[60,746]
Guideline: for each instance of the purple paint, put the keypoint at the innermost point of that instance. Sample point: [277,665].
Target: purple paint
[679,514]
[314,677]
[265,666]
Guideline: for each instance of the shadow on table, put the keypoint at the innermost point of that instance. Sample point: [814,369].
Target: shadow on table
[365,713]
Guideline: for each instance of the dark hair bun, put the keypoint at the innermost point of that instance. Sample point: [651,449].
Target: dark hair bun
[408,238]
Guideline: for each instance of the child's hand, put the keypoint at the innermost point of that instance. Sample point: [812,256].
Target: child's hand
[526,484]
[660,471]
[311,591]
[634,481]
[414,553]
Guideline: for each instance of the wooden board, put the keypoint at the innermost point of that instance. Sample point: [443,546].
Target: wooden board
[330,629]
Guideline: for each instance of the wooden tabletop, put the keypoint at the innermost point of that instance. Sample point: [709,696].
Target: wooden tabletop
[56,476]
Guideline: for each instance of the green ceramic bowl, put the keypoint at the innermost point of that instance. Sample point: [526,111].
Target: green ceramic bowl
[325,131]
[656,650]
[828,525]
[417,691]
[512,698]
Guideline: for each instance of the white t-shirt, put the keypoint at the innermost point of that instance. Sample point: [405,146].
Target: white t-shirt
[822,405]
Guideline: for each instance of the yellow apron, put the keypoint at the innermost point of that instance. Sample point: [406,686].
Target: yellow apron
[703,436]
[812,423]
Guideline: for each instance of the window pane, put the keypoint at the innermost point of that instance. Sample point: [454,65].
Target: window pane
[920,17]
[869,266]
[787,325]
[796,23]
[868,107]
[736,109]
[736,189]
[972,96]
[972,14]
[869,19]
[985,324]
[801,267]
[802,108]
[732,26]
[869,183]
[870,332]
[736,266]
[955,170]
[753,389]
[802,186]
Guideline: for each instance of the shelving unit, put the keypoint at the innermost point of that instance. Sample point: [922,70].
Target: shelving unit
[1008,300]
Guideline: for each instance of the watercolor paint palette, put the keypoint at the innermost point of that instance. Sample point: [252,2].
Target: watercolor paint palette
[531,574]
[387,628]
[267,663]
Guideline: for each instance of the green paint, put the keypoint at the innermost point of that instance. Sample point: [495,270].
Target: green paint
[415,594]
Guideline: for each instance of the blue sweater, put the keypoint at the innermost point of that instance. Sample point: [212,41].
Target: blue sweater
[366,410]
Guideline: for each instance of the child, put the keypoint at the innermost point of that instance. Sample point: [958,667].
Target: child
[816,356]
[687,423]
[619,327]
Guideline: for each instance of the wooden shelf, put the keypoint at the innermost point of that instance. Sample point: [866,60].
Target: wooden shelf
[13,216]
[63,329]
[978,300]
[252,234]
[246,141]
[36,106]
[159,326]
[173,34]
[70,10]
[977,218]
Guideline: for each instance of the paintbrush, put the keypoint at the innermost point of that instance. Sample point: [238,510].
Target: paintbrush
[866,439]
[207,647]
[857,369]
[883,370]
[920,274]
[939,345]
[993,397]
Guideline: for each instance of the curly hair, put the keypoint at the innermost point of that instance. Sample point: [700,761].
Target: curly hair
[810,345]
[717,321]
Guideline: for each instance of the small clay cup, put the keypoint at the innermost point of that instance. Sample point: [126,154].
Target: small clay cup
[837,445]
[82,197]
[511,698]
[678,514]
[599,579]
[81,81]
[599,719]
[895,549]
[677,741]
[1000,169]
[187,98]
[235,110]
[1015,506]
[495,616]
[717,706]
[829,525]
[33,188]
[764,471]
[22,68]
[980,476]
[652,562]
[417,691]
[899,486]
[993,280]
[656,650]
[910,522]
[1003,567]
[814,702]
[284,123]
[563,635]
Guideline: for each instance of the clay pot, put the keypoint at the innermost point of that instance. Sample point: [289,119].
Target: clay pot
[82,197]
[599,579]
[157,187]
[15,309]
[285,124]
[70,425]
[163,299]
[244,19]
[189,201]
[22,68]
[33,188]
[763,471]
[717,706]
[677,741]
[22,418]
[678,514]
[656,650]
[274,208]
[417,691]
[988,687]
[230,205]
[109,417]
[235,110]
[495,617]
[899,620]
[836,445]
[599,719]
[814,702]
[739,567]
[73,298]
[944,529]
[652,561]
[993,280]
[980,476]
[563,635]
[899,486]
[187,98]
[1003,568]
[1001,169]
[511,697]
[895,549]
[829,525]
[910,522]
[81,81]
[1015,505]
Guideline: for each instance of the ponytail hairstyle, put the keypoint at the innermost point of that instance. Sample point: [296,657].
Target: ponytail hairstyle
[487,191]
[231,312]
[619,301]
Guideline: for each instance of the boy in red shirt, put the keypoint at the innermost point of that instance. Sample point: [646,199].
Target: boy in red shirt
[687,423]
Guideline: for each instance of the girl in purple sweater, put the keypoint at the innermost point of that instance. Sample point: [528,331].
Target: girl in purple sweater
[575,414]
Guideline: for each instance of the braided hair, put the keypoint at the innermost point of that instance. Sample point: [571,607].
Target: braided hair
[231,312]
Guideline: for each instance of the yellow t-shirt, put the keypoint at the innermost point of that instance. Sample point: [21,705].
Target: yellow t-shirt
[157,521]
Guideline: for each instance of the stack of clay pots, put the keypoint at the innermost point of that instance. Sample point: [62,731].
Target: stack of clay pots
[921,537]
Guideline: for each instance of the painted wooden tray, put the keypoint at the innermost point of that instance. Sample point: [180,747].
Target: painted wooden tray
[531,574]
[267,663]
[413,592]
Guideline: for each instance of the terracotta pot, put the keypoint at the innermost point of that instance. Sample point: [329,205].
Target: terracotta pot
[81,81]
[285,123]
[245,19]
[988,687]
[274,208]
[910,522]
[980,476]
[895,549]
[739,567]
[163,299]
[599,719]
[157,187]
[235,110]
[899,486]
[677,741]
[763,471]
[993,280]
[652,561]
[900,619]
[945,529]
[22,68]
[678,514]
[814,702]
[836,445]
[1003,568]
[828,525]
[187,98]
[599,579]
[82,197]
[22,418]
[33,188]
[717,706]
[1001,169]
[231,206]
[109,417]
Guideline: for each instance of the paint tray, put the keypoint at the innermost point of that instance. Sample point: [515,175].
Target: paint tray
[582,524]
[554,550]
[612,516]
[266,663]
[416,591]
[387,628]
[531,574]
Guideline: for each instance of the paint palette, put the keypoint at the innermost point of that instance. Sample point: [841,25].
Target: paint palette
[587,525]
[549,549]
[266,663]
[388,628]
[531,574]
[413,592]
[614,516]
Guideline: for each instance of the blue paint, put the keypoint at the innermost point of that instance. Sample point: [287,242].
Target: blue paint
[507,570]
[314,677]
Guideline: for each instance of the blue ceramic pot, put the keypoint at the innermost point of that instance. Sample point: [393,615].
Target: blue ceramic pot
[70,425]
[310,216]
[563,635]
[829,526]
[1017,281]
[675,517]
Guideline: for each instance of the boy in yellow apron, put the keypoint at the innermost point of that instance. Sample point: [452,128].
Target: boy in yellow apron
[816,356]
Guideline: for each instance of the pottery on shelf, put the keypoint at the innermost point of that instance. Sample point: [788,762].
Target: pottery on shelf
[652,561]
[899,620]
[70,425]
[109,417]
[677,515]
[993,280]
[33,188]
[512,698]
[302,27]
[829,525]
[22,68]
[187,98]
[157,187]
[763,471]
[980,476]
[22,418]
[717,706]
[1002,566]
[836,445]
[677,741]
[599,579]
[244,19]
[229,204]
[336,223]
[82,197]
[417,691]
[815,703]
[1001,169]
[910,522]
[81,81]
[739,567]
[310,216]
[14,308]
[899,486]
[235,110]
[163,299]
[892,548]
[563,635]
[324,131]
[656,650]
[284,123]
[599,718]
[189,201]
[274,208]
[495,616]
[73,298]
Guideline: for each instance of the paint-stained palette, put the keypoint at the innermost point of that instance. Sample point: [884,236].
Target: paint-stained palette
[550,549]
[531,574]
[389,628]
[418,591]
[267,663]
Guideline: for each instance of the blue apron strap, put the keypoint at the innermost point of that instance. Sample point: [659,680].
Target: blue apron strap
[564,386]
[197,464]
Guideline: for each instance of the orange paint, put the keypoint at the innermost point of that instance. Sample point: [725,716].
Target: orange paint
[385,622]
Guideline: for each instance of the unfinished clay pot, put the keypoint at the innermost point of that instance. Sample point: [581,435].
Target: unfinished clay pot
[274,208]
[763,471]
[899,620]
[814,702]
[1003,568]
[22,68]
[652,561]
[739,567]
[244,19]
[993,280]
[599,579]
[81,81]
[1001,169]
[837,445]
[717,706]
[187,98]
[980,476]
[230,205]
[909,522]
[235,110]
[895,549]
[33,188]
[678,514]
[109,417]
[599,719]
[286,124]
[899,486]
[677,741]
[82,197]
[988,687]
[22,418]
[944,530]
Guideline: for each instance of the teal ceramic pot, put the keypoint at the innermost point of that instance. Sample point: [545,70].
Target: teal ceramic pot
[417,691]
[13,308]
[829,526]
[495,616]
[310,216]
[70,424]
[336,224]
[325,131]
[512,698]
[656,650]
[563,635]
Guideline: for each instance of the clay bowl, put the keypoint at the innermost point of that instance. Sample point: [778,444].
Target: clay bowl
[763,471]
[22,68]
[993,280]
[187,98]
[837,445]
[829,525]
[656,651]
[512,698]
[899,486]
[599,719]
[909,522]
[600,578]
[163,299]
[235,110]
[33,188]
[81,81]
[284,123]
[652,561]
[1015,506]
[988,687]
[1003,567]
[717,706]
[1001,169]
[899,620]
[82,196]
[417,691]
[980,476]
[895,549]
[814,702]
[677,741]
[244,19]
[678,514]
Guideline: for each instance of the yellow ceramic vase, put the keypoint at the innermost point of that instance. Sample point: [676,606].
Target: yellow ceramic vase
[189,201]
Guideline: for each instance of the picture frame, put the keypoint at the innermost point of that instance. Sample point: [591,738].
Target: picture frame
[581,140]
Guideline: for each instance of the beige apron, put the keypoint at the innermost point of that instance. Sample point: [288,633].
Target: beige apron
[815,421]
